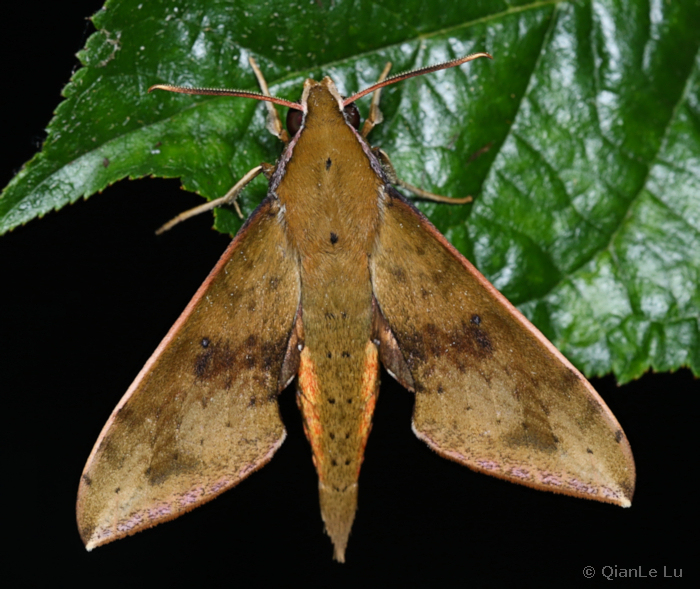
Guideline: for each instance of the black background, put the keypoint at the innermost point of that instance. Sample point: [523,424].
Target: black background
[87,294]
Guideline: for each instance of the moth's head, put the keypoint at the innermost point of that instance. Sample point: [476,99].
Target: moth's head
[321,100]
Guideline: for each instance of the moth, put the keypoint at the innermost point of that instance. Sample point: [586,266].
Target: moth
[334,273]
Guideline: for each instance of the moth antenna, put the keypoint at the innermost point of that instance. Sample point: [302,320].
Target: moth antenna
[226,92]
[413,73]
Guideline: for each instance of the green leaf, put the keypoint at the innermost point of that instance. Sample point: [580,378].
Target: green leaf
[580,141]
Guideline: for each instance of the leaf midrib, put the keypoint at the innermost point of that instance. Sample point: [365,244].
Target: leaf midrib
[628,211]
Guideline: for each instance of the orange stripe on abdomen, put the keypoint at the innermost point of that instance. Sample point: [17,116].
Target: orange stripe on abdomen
[307,400]
[368,395]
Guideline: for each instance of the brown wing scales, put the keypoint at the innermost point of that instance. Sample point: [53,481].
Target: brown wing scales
[491,391]
[202,414]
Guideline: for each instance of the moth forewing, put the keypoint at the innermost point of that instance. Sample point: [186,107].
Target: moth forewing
[202,414]
[491,392]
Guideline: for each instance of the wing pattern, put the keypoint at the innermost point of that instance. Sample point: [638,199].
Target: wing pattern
[202,414]
[491,392]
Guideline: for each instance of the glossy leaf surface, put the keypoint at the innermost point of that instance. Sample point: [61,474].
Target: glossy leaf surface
[580,141]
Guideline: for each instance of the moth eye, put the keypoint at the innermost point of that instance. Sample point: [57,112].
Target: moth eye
[294,119]
[352,115]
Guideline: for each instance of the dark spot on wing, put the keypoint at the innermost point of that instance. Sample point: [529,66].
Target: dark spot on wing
[463,346]
[532,436]
[117,490]
[87,480]
[627,488]
[274,282]
[205,342]
[216,359]
[438,277]
[482,338]
[250,362]
[345,354]
[475,320]
[589,450]
[125,413]
[165,464]
[219,359]
[271,354]
[619,435]
[399,274]
[571,376]
[331,401]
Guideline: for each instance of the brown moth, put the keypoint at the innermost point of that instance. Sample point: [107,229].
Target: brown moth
[334,273]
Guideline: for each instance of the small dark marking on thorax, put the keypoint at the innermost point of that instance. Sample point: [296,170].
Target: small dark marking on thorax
[334,237]
[328,164]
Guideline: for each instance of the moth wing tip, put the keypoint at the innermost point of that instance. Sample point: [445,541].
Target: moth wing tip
[625,502]
[90,542]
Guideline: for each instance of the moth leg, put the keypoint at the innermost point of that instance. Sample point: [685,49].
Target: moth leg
[228,198]
[375,115]
[274,124]
[419,192]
